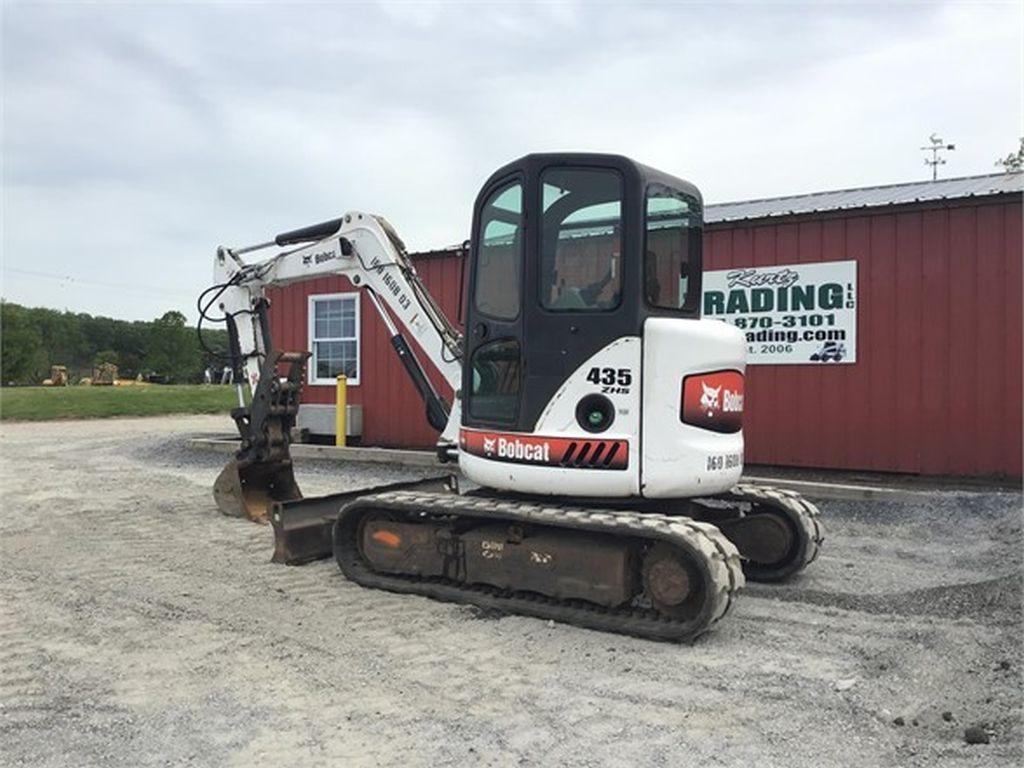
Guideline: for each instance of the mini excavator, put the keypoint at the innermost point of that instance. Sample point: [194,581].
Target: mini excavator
[597,416]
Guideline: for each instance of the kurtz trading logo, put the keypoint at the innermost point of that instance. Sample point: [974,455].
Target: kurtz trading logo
[752,278]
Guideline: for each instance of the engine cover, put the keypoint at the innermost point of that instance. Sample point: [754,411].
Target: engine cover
[692,407]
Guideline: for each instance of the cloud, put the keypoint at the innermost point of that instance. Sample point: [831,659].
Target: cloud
[138,137]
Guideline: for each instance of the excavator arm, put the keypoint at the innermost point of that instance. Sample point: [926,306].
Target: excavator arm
[367,250]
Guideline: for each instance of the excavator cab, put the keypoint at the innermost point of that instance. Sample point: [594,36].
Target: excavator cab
[570,252]
[584,337]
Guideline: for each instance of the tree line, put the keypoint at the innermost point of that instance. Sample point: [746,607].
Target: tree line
[34,338]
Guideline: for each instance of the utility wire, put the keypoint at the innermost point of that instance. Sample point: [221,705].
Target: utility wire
[134,287]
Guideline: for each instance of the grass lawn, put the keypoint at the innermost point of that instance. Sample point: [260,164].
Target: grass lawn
[45,403]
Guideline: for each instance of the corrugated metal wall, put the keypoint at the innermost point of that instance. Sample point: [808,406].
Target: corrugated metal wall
[937,384]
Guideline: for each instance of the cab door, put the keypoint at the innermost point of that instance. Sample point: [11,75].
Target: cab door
[492,375]
[582,295]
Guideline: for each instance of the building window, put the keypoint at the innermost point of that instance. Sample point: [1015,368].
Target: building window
[334,337]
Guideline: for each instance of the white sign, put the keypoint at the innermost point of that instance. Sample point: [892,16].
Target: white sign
[791,314]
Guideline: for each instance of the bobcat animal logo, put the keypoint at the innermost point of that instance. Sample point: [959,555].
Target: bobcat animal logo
[709,400]
[489,445]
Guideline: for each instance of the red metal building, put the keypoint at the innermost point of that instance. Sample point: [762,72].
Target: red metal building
[936,386]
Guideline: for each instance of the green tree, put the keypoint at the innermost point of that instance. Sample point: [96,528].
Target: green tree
[22,357]
[34,338]
[172,349]
[1015,160]
[106,356]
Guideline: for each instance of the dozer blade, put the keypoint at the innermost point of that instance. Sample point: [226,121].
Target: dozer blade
[249,490]
[303,527]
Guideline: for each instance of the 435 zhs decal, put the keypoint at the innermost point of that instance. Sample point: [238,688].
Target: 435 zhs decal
[613,381]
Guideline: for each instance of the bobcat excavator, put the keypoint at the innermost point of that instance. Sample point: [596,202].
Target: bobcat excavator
[597,415]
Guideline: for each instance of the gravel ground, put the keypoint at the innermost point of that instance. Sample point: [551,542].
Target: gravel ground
[139,627]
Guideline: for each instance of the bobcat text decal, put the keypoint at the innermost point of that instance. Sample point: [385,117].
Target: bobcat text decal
[713,401]
[577,453]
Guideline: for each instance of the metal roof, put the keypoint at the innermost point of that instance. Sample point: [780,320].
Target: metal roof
[867,197]
[847,199]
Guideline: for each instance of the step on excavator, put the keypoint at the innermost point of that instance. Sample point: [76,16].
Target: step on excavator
[596,415]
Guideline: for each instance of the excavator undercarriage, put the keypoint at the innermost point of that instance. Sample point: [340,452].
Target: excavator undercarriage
[664,570]
[655,576]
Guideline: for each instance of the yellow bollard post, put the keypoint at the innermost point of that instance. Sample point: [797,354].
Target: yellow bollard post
[340,400]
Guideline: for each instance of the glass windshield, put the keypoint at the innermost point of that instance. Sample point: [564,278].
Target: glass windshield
[499,254]
[580,241]
[672,251]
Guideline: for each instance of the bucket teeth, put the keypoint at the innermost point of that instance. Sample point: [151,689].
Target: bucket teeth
[249,490]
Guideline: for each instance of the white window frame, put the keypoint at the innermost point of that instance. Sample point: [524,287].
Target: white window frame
[311,337]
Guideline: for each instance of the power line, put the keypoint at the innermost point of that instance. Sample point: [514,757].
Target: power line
[132,287]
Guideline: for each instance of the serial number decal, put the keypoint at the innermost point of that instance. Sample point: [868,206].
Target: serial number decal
[392,285]
[720,461]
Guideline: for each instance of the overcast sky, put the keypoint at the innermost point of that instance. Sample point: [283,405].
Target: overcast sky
[137,137]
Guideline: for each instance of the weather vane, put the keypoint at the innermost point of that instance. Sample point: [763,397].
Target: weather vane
[937,145]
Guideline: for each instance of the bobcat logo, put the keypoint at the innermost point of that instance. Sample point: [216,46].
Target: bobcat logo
[709,400]
[489,445]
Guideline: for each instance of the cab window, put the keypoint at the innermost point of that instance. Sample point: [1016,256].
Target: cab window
[500,253]
[672,249]
[581,229]
[496,377]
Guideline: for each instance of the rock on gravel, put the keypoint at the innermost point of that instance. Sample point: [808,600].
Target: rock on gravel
[976,734]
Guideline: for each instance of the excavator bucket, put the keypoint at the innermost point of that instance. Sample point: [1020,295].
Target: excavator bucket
[261,472]
[249,490]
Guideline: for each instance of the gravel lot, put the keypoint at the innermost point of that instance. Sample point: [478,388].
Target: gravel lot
[139,627]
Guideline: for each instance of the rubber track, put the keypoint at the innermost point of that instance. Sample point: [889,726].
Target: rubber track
[802,513]
[722,561]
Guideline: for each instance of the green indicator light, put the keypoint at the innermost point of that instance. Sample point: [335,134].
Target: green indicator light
[595,418]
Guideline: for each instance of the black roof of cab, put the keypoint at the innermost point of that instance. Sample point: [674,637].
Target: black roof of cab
[636,173]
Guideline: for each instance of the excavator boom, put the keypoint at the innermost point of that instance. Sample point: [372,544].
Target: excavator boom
[365,249]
